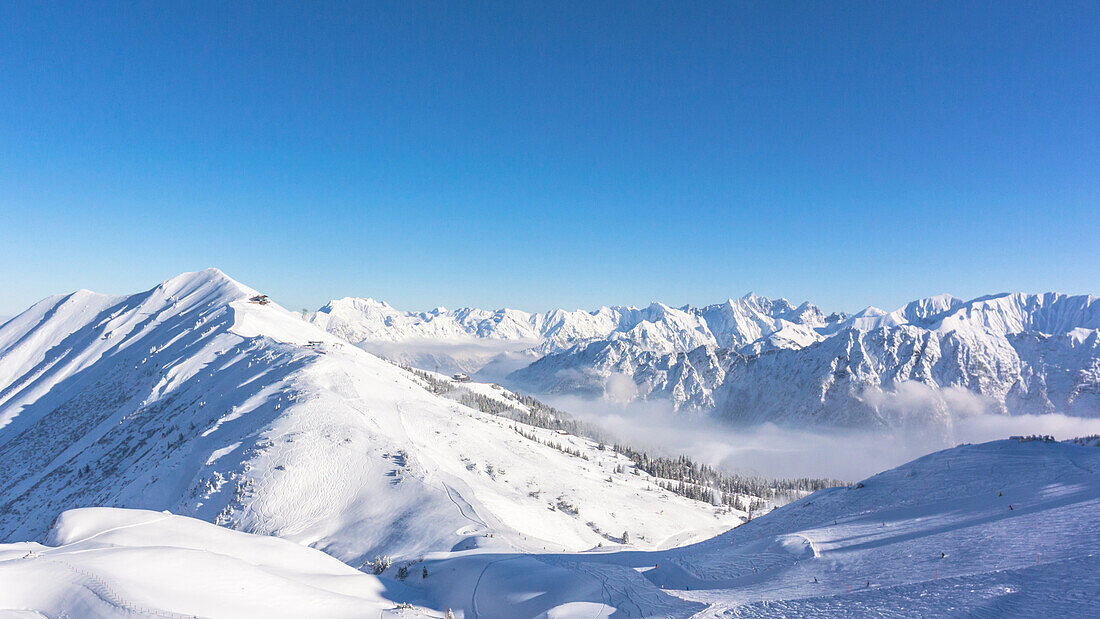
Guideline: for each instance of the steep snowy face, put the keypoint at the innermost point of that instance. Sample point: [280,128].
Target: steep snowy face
[200,397]
[1014,354]
[751,318]
[58,338]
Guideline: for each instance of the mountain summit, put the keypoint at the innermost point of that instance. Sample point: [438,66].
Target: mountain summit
[202,397]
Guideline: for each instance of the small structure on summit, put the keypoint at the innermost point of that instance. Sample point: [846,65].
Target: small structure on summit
[461,378]
[260,299]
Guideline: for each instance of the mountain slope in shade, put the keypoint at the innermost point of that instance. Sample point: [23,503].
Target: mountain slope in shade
[191,398]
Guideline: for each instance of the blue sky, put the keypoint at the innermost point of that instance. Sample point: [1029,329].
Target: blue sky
[541,156]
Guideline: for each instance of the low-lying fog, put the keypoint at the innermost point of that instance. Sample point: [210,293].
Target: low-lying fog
[849,455]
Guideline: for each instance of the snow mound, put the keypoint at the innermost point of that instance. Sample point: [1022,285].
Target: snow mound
[101,562]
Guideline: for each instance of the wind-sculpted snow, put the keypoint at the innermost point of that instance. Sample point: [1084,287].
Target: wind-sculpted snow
[102,562]
[192,398]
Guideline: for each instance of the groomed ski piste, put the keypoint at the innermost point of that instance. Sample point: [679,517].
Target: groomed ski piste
[193,399]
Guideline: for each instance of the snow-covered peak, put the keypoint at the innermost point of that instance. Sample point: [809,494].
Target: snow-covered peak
[1049,313]
[655,327]
[196,397]
[208,285]
[925,310]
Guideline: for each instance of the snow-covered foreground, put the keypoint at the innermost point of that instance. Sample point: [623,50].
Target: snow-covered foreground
[102,562]
[1017,523]
[1008,528]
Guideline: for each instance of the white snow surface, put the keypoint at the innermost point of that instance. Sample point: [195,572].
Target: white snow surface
[1008,528]
[755,360]
[1017,523]
[190,398]
[104,562]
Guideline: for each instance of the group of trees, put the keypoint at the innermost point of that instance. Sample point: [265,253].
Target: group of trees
[700,481]
[530,411]
[562,448]
[681,475]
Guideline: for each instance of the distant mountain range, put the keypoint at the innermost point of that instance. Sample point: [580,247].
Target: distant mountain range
[755,359]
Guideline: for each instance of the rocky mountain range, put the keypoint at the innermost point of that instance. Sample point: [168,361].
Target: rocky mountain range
[755,359]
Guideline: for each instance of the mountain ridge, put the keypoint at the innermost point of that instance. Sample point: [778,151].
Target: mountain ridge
[191,397]
[994,346]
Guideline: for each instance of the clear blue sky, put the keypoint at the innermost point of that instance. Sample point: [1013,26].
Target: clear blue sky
[539,155]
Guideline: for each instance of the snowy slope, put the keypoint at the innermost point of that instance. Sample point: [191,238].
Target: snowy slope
[101,562]
[1016,522]
[1016,353]
[188,397]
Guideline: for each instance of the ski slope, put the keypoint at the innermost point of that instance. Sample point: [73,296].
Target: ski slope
[873,549]
[1009,528]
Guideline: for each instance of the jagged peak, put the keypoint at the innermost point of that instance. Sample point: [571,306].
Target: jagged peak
[355,303]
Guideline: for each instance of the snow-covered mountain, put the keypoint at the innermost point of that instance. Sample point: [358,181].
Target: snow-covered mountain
[194,397]
[490,342]
[1010,353]
[754,359]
